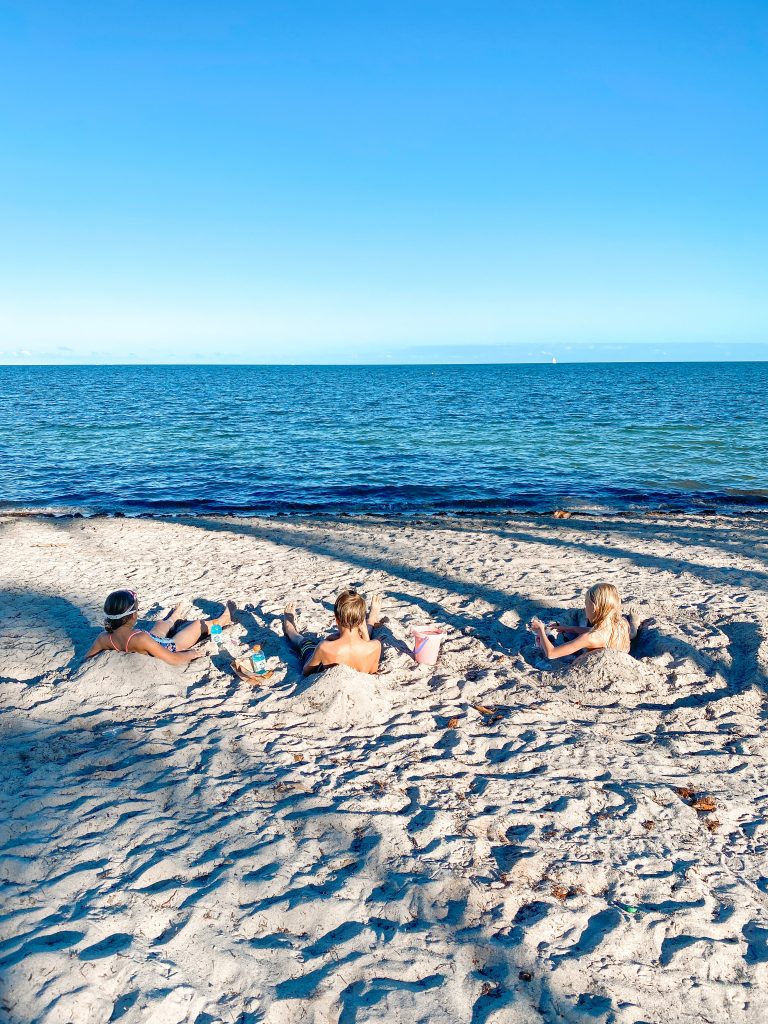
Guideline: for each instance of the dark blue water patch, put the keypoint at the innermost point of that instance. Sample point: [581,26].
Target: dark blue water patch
[464,439]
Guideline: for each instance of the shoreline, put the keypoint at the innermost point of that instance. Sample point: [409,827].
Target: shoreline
[738,513]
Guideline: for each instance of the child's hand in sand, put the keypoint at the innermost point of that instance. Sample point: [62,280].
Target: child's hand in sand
[537,626]
[206,651]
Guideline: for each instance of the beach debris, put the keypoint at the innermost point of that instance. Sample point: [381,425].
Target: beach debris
[705,803]
[711,824]
[649,825]
[453,723]
[491,715]
[564,892]
[489,989]
[686,793]
[525,976]
[298,758]
[702,804]
[561,513]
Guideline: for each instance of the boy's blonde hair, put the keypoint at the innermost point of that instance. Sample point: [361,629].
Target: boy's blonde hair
[605,601]
[349,609]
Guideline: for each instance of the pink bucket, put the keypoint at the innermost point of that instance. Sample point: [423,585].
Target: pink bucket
[426,644]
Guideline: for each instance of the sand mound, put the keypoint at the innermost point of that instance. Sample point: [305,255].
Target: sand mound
[606,677]
[344,699]
[128,680]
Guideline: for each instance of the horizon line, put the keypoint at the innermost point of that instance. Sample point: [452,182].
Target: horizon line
[392,365]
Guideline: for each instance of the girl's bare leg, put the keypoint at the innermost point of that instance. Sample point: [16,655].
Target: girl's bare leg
[193,631]
[292,635]
[189,635]
[161,627]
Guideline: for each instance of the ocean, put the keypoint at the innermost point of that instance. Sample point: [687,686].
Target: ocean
[384,439]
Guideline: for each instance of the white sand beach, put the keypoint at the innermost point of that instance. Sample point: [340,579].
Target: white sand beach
[495,840]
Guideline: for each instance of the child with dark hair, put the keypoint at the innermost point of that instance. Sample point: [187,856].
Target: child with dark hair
[353,645]
[169,639]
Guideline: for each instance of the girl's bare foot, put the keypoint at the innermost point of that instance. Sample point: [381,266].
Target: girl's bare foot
[178,611]
[227,616]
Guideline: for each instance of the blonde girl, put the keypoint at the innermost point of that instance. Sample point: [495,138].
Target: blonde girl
[607,628]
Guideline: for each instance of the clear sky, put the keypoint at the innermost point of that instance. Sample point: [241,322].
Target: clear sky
[430,180]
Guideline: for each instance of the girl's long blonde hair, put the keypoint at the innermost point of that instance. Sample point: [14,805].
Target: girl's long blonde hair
[606,603]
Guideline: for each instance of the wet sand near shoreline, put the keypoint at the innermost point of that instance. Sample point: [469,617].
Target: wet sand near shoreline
[492,839]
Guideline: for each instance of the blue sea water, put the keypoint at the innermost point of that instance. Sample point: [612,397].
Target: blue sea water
[384,439]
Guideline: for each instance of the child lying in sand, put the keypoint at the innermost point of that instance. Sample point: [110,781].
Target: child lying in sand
[352,646]
[121,612]
[607,628]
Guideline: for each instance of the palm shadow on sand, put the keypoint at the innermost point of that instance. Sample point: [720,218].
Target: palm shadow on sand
[40,617]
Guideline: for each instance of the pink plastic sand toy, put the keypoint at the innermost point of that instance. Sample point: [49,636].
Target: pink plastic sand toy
[426,644]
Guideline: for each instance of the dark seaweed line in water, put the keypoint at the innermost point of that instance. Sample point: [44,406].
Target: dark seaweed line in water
[619,501]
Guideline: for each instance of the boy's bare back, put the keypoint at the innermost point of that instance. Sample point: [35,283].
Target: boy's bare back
[362,655]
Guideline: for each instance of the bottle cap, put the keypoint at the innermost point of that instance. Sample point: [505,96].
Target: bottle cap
[257,647]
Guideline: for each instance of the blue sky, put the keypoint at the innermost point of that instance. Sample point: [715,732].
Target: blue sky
[351,182]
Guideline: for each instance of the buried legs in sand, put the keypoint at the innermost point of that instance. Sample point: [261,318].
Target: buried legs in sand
[186,636]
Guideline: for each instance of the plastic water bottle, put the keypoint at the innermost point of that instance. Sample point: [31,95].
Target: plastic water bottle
[258,661]
[216,633]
